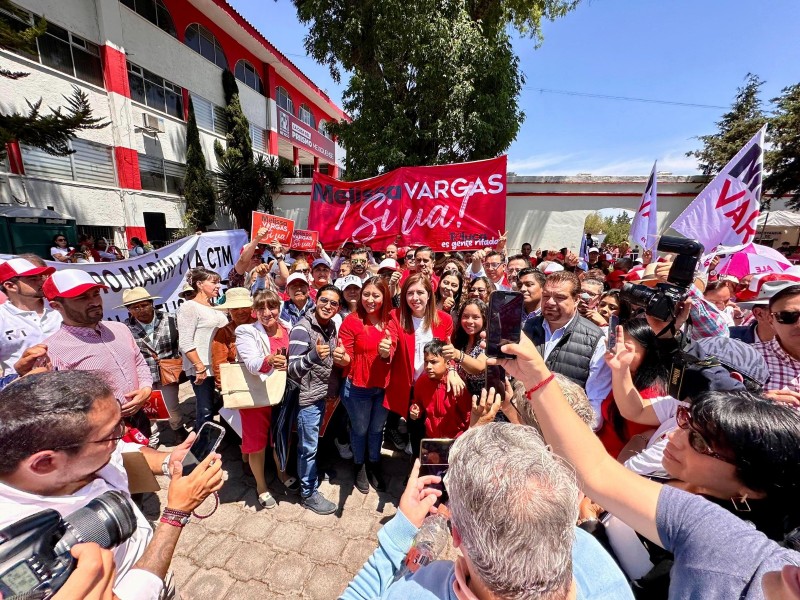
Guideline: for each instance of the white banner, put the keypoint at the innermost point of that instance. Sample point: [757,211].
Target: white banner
[726,211]
[162,272]
[644,229]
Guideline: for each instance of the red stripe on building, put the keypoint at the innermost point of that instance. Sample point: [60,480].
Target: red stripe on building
[115,71]
[132,231]
[15,158]
[127,168]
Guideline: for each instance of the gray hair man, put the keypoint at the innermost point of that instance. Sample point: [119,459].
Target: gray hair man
[513,508]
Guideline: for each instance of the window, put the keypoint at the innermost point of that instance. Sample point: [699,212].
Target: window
[306,171]
[90,162]
[283,100]
[304,114]
[159,175]
[259,138]
[202,41]
[246,73]
[155,12]
[323,128]
[154,91]
[209,116]
[60,49]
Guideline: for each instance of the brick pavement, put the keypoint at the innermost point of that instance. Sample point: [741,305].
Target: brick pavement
[244,552]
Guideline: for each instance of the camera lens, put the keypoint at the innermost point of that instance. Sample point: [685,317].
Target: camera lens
[107,520]
[639,295]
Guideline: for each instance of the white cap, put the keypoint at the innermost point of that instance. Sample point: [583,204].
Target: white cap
[20,267]
[553,267]
[344,282]
[388,263]
[69,283]
[296,277]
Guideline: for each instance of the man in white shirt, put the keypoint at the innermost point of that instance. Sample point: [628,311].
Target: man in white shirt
[492,265]
[24,319]
[61,447]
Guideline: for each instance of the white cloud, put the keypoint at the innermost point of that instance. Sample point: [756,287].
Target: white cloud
[673,161]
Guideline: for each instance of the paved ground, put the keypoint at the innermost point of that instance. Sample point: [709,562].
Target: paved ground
[244,552]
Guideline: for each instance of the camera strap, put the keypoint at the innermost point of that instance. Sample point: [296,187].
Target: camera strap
[670,327]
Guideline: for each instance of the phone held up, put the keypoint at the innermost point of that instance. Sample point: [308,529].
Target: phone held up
[206,442]
[495,378]
[613,323]
[504,322]
[434,459]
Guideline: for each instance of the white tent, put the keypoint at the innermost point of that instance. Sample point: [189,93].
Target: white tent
[779,218]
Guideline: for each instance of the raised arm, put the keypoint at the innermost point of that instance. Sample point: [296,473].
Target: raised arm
[629,401]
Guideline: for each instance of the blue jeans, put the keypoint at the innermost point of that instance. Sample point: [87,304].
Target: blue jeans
[309,421]
[204,396]
[367,418]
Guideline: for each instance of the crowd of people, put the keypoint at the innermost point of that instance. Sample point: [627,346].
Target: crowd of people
[658,459]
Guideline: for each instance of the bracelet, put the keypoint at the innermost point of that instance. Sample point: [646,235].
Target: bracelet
[461,358]
[540,385]
[174,512]
[173,522]
[213,510]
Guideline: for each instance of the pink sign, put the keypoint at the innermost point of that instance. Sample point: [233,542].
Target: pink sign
[304,239]
[278,229]
[304,136]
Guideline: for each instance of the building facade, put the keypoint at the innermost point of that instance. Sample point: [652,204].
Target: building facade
[140,62]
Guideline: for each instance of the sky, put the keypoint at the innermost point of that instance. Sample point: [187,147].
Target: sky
[684,51]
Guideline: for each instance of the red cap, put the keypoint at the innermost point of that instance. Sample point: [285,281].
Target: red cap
[69,283]
[616,275]
[401,253]
[19,267]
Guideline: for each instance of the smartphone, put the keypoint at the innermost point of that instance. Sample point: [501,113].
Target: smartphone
[613,323]
[206,442]
[434,459]
[504,322]
[495,378]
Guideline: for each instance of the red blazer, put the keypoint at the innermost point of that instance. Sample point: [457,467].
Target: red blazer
[401,378]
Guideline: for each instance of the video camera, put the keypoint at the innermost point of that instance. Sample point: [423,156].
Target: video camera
[35,559]
[663,302]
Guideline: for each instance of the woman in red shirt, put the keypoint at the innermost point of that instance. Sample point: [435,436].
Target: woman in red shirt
[412,326]
[367,343]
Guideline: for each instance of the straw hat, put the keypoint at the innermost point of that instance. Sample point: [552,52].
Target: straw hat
[134,295]
[237,297]
[185,290]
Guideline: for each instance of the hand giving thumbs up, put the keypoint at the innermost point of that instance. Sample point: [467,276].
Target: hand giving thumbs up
[385,346]
[323,349]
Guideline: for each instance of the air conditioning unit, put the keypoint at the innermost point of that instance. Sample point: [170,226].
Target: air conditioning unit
[153,123]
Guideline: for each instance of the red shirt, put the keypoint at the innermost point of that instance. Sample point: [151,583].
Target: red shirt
[446,415]
[613,440]
[367,369]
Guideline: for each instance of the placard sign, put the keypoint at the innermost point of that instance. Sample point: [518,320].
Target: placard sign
[305,240]
[278,229]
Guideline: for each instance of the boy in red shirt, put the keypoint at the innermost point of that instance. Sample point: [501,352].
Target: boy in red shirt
[446,414]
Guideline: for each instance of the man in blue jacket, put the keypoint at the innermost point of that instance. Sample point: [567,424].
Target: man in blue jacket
[513,508]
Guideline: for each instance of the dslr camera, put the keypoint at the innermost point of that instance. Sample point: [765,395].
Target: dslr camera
[663,301]
[35,559]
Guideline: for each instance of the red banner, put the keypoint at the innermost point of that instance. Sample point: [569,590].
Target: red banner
[155,408]
[448,207]
[305,240]
[278,228]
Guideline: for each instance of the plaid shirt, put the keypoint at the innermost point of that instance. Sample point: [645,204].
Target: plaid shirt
[784,370]
[164,343]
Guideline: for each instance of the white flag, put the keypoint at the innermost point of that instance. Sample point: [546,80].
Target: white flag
[726,211]
[644,229]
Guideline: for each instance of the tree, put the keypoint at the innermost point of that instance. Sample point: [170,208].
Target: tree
[617,229]
[594,223]
[50,132]
[431,81]
[734,130]
[783,161]
[198,191]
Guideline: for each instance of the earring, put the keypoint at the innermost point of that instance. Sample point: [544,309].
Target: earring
[740,504]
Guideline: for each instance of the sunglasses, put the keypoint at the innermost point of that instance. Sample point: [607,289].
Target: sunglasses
[324,301]
[358,261]
[696,440]
[787,317]
[302,270]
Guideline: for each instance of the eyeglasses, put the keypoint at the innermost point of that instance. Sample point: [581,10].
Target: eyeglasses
[138,307]
[323,301]
[358,261]
[492,265]
[698,443]
[117,435]
[787,317]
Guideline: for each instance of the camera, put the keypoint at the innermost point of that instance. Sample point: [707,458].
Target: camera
[663,301]
[35,559]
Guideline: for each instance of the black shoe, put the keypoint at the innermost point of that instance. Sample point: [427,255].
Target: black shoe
[361,483]
[180,435]
[397,439]
[375,475]
[319,504]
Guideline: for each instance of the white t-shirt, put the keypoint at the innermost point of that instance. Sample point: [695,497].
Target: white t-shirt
[21,329]
[648,461]
[421,337]
[130,584]
[56,251]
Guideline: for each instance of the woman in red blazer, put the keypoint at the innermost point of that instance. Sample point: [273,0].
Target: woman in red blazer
[412,326]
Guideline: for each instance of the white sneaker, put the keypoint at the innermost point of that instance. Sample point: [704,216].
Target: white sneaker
[408,449]
[344,450]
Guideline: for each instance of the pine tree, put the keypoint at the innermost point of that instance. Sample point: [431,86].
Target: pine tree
[783,162]
[50,132]
[734,130]
[198,191]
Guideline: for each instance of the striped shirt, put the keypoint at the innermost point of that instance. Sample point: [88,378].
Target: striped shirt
[784,369]
[108,348]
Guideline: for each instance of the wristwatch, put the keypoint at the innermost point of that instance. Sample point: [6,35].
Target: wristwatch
[174,517]
[165,466]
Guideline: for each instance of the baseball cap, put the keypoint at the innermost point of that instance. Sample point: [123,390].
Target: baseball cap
[69,283]
[343,282]
[318,262]
[20,267]
[582,265]
[388,263]
[734,355]
[296,277]
[594,250]
[401,252]
[553,267]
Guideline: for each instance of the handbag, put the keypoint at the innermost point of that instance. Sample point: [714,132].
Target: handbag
[169,369]
[241,389]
